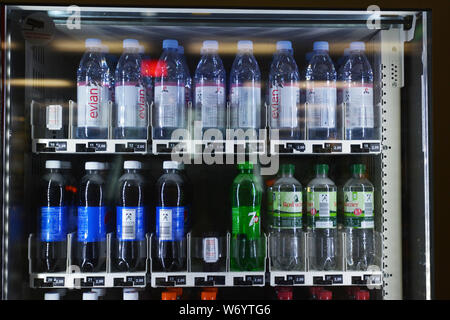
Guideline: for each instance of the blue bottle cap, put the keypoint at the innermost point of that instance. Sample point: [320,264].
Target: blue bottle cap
[357,45]
[321,45]
[180,49]
[130,43]
[170,43]
[284,45]
[211,45]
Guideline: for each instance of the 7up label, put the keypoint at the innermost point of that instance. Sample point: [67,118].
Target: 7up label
[246,220]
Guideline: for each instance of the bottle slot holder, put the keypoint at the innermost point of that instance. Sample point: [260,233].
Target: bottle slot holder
[298,260]
[325,147]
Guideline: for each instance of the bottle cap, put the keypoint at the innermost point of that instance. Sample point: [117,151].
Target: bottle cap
[53,164]
[322,169]
[93,43]
[180,49]
[245,45]
[91,165]
[357,45]
[362,295]
[284,295]
[129,164]
[210,45]
[208,295]
[245,165]
[52,296]
[320,45]
[287,168]
[170,44]
[358,168]
[131,43]
[100,291]
[284,45]
[168,295]
[325,295]
[346,52]
[90,296]
[130,295]
[170,165]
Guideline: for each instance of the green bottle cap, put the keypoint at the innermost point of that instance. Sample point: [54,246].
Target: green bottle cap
[287,168]
[321,169]
[245,166]
[358,168]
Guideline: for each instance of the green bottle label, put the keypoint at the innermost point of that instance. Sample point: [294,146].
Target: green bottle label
[358,210]
[287,210]
[321,209]
[246,220]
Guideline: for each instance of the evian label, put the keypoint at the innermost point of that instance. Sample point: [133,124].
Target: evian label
[92,106]
[131,106]
[283,104]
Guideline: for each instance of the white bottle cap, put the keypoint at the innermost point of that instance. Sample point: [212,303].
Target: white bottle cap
[129,164]
[284,45]
[130,295]
[210,45]
[93,43]
[357,45]
[245,45]
[91,165]
[66,165]
[320,45]
[99,291]
[52,296]
[180,49]
[170,43]
[131,43]
[170,165]
[90,296]
[53,164]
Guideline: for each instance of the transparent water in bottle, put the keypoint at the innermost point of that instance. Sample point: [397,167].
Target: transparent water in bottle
[321,95]
[357,77]
[245,89]
[286,222]
[169,112]
[322,224]
[93,86]
[358,195]
[130,112]
[209,86]
[284,94]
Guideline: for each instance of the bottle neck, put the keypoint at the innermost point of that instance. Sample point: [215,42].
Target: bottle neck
[131,170]
[321,175]
[358,175]
[246,171]
[171,171]
[54,170]
[286,174]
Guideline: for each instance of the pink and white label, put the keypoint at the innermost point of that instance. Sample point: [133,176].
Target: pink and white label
[169,104]
[131,106]
[358,101]
[92,106]
[284,103]
[245,105]
[210,98]
[321,105]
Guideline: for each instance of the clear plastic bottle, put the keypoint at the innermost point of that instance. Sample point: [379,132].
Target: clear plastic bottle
[284,95]
[286,222]
[209,84]
[358,195]
[357,77]
[321,95]
[169,112]
[131,114]
[93,86]
[245,89]
[188,83]
[342,60]
[147,72]
[322,224]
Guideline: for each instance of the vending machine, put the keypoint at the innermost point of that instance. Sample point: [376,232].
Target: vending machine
[153,153]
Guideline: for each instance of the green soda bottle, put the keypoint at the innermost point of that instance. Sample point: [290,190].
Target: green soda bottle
[247,247]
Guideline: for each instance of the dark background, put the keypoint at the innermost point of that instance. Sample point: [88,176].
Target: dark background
[440,106]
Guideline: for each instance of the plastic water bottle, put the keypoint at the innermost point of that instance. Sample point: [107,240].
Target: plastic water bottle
[286,222]
[209,83]
[171,204]
[170,87]
[52,296]
[91,251]
[357,77]
[245,89]
[188,82]
[147,75]
[53,218]
[359,220]
[90,295]
[342,60]
[93,85]
[111,62]
[322,226]
[321,95]
[131,219]
[71,195]
[284,84]
[131,114]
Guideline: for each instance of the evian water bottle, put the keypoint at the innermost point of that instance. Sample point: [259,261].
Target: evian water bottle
[321,95]
[209,80]
[93,83]
[131,114]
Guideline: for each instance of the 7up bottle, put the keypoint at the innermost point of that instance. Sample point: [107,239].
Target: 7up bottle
[321,195]
[358,219]
[247,249]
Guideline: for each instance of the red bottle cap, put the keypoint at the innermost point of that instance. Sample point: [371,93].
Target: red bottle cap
[168,295]
[285,295]
[325,295]
[208,295]
[362,295]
